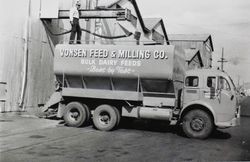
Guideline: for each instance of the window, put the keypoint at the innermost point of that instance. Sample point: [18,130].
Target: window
[224,84]
[211,82]
[192,81]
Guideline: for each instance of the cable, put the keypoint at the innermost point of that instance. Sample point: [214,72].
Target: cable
[107,37]
[95,34]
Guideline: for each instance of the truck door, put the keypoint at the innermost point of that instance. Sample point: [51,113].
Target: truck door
[218,93]
[227,98]
[191,90]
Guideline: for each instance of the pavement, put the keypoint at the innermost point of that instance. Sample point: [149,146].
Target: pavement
[26,138]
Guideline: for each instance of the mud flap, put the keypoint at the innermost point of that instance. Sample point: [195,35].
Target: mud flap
[61,109]
[55,98]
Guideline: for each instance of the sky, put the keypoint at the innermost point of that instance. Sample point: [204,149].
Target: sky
[228,21]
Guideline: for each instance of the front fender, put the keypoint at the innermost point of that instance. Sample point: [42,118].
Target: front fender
[200,105]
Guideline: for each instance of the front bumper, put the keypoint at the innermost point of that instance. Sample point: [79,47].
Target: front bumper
[232,123]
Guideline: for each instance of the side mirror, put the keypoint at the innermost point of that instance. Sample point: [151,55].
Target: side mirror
[218,86]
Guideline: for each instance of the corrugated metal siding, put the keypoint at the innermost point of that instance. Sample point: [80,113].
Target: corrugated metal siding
[40,59]
[11,69]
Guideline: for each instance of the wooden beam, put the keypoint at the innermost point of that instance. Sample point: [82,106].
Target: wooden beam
[119,14]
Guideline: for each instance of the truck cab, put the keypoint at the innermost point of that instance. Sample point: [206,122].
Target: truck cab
[212,92]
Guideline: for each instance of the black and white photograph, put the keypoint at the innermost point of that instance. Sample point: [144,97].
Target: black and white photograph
[124,80]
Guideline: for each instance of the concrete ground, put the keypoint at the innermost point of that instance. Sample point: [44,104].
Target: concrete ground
[31,139]
[245,106]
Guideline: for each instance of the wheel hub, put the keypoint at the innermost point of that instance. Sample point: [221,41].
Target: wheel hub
[104,118]
[74,115]
[197,124]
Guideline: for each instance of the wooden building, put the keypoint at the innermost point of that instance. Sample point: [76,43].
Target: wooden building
[195,41]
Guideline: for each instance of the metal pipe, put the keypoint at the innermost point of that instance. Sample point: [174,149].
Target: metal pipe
[25,58]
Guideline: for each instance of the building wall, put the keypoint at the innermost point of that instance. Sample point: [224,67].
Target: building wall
[194,63]
[158,34]
[23,17]
[206,55]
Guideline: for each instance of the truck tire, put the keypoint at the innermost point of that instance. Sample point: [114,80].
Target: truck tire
[105,117]
[118,116]
[76,114]
[197,124]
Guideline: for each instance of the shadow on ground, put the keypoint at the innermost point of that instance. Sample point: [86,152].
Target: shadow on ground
[152,126]
[164,127]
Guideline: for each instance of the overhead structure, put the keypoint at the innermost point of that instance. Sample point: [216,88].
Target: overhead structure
[50,10]
[119,14]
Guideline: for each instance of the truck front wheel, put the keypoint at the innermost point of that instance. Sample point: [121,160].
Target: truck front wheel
[197,124]
[105,117]
[76,114]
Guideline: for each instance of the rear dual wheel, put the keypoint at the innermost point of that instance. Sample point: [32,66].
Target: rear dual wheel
[76,114]
[106,117]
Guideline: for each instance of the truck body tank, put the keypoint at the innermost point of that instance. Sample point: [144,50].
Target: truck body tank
[158,69]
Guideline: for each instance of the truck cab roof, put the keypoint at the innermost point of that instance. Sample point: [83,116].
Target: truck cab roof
[207,72]
[203,73]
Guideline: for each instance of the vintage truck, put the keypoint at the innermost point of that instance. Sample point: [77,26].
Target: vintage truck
[107,82]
